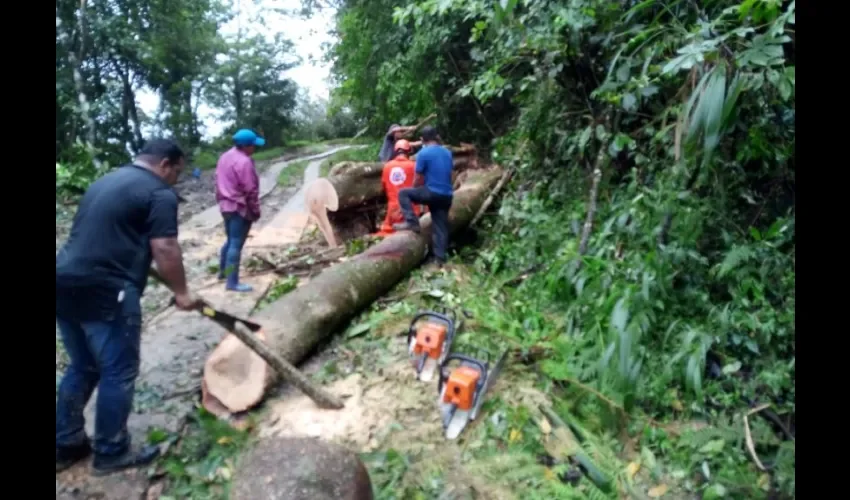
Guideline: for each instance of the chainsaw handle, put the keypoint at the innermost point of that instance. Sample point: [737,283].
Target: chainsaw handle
[462,358]
[450,324]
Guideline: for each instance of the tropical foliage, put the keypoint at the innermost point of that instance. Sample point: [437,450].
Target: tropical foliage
[649,232]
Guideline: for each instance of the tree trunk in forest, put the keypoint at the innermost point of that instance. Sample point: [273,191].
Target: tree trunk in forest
[235,378]
[79,86]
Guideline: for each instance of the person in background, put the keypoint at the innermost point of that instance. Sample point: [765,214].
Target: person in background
[125,220]
[237,190]
[432,186]
[395,133]
[398,174]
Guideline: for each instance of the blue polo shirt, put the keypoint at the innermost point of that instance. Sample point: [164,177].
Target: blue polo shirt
[434,162]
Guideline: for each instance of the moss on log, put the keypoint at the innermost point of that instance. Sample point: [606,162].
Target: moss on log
[298,322]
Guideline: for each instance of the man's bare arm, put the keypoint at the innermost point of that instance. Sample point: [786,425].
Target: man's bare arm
[168,257]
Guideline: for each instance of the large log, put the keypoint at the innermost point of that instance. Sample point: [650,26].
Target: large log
[235,378]
[357,183]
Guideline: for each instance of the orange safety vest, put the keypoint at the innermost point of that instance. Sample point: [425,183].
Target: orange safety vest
[397,175]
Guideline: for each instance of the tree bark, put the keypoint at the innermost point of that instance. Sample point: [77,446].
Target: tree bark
[592,199]
[75,62]
[293,326]
[357,183]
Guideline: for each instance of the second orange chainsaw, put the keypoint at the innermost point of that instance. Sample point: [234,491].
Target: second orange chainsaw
[462,390]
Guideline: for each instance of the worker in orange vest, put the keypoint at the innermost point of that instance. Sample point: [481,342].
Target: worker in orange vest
[397,174]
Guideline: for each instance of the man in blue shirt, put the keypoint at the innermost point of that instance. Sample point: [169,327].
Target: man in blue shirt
[432,186]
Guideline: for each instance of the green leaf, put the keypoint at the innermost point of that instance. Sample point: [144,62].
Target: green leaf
[157,436]
[714,99]
[358,330]
[620,315]
[629,102]
[712,447]
[731,368]
[716,490]
[584,138]
[557,370]
[734,258]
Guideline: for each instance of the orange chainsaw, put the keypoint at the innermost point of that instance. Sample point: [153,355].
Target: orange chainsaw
[462,390]
[429,340]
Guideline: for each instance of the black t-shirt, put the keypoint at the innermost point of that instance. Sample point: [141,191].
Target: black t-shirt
[109,244]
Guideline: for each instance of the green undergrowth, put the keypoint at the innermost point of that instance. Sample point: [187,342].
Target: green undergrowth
[640,453]
[369,153]
[279,288]
[199,463]
[293,174]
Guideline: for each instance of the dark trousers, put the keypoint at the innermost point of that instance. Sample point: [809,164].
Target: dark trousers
[103,354]
[236,228]
[439,206]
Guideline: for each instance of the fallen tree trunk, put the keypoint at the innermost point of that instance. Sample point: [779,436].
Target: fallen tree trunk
[462,155]
[357,183]
[295,324]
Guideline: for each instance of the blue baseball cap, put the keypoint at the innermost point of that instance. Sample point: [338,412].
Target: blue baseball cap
[246,137]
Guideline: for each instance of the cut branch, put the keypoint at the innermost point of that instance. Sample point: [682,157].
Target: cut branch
[592,199]
[493,194]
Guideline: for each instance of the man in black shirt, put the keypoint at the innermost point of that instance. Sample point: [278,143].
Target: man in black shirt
[126,219]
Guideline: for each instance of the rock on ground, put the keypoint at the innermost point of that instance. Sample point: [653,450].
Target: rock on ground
[300,469]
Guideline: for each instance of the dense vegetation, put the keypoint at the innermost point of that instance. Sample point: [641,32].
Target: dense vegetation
[648,241]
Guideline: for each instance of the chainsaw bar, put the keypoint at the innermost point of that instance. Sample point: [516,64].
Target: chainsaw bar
[458,409]
[492,375]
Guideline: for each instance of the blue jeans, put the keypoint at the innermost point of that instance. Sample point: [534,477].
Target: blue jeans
[236,228]
[103,354]
[439,206]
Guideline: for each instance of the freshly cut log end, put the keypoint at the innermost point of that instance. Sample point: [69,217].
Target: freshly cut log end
[321,197]
[230,376]
[320,194]
[296,323]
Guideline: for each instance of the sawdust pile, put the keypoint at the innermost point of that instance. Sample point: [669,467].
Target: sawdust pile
[377,404]
[372,405]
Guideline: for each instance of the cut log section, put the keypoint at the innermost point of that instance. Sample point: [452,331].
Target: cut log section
[235,378]
[358,183]
[321,197]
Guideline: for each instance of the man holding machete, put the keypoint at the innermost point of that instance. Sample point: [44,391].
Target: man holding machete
[125,220]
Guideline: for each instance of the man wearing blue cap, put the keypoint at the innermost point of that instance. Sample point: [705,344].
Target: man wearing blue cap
[237,190]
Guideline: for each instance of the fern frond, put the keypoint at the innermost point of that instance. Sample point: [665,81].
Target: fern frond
[699,437]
